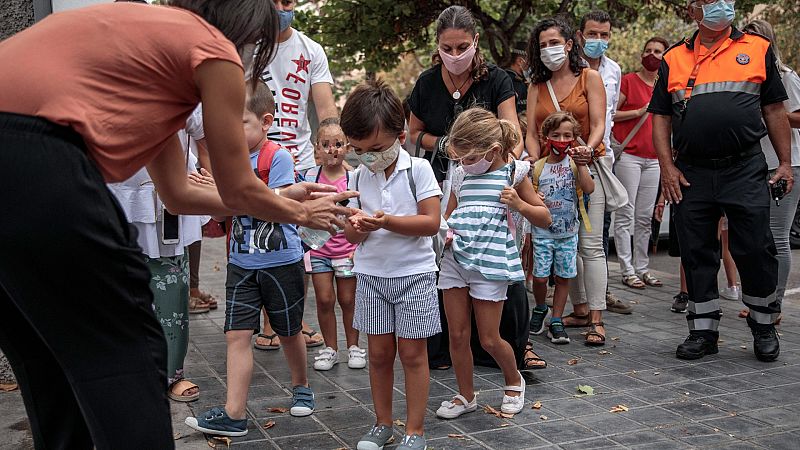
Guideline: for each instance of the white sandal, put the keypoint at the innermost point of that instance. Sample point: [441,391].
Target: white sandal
[451,410]
[513,405]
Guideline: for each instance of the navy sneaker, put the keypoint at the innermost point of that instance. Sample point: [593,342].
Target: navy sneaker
[302,401]
[557,333]
[538,319]
[217,422]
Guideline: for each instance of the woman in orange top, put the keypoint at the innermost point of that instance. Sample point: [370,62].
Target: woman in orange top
[90,96]
[554,58]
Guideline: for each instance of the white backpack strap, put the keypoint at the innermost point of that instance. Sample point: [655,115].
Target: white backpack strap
[553,95]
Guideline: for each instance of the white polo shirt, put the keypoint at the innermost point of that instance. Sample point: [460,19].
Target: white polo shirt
[384,253]
[611,74]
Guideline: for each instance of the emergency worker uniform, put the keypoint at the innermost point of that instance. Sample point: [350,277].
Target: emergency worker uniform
[714,97]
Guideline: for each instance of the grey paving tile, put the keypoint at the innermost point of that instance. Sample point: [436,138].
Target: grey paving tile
[465,443]
[600,443]
[346,418]
[510,437]
[286,425]
[254,445]
[321,441]
[694,410]
[609,424]
[738,426]
[561,431]
[639,438]
[779,441]
[655,416]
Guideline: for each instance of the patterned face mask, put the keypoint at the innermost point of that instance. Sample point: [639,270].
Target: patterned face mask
[377,161]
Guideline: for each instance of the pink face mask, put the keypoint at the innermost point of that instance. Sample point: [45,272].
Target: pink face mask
[479,167]
[458,64]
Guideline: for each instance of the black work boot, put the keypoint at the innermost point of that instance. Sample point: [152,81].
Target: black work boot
[766,344]
[698,344]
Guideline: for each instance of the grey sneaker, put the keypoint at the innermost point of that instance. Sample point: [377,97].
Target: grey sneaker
[680,303]
[615,305]
[413,442]
[377,437]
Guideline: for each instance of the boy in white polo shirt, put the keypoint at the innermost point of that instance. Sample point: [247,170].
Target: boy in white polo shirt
[395,265]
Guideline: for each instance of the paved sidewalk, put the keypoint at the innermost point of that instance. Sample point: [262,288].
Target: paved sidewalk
[727,400]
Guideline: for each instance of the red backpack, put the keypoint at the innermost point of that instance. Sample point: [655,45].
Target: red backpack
[265,157]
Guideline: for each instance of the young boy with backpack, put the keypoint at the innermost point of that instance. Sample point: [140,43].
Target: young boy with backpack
[265,269]
[562,185]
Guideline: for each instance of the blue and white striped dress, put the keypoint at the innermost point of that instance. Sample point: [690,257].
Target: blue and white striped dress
[482,239]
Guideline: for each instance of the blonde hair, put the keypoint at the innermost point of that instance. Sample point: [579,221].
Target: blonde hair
[477,130]
[553,121]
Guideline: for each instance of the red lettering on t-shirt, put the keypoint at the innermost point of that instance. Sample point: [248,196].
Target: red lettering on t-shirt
[295,78]
[292,94]
[288,122]
[290,108]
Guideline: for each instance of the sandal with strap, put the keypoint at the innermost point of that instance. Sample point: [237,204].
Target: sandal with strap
[271,345]
[633,281]
[513,405]
[197,306]
[177,390]
[650,279]
[594,333]
[573,320]
[209,299]
[533,362]
[311,343]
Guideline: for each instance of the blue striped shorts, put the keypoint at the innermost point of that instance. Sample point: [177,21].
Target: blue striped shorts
[406,306]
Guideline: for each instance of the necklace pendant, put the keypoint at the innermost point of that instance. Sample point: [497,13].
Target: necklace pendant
[456,95]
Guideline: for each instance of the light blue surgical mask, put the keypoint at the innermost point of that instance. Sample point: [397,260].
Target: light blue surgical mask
[595,48]
[719,15]
[286,18]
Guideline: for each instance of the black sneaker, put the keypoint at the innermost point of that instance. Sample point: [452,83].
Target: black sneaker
[766,344]
[680,303]
[557,333]
[538,319]
[696,346]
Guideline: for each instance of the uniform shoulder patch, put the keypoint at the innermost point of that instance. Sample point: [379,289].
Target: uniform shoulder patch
[743,58]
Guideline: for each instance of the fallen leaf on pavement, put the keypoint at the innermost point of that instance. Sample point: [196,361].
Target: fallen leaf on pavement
[503,425]
[616,338]
[9,387]
[399,423]
[656,373]
[456,436]
[634,302]
[537,405]
[543,417]
[269,424]
[743,347]
[588,390]
[489,410]
[573,361]
[604,352]
[216,268]
[278,410]
[176,436]
[619,408]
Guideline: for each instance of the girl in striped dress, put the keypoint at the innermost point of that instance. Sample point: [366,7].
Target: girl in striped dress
[483,257]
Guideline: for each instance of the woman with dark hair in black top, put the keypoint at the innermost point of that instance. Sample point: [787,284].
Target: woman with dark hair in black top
[461,79]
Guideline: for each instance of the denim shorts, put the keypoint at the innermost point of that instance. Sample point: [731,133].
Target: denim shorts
[341,267]
[560,254]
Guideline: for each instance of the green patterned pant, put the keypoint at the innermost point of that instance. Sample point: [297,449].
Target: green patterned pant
[170,286]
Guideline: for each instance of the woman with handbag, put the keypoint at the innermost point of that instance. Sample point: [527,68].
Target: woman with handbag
[560,81]
[637,167]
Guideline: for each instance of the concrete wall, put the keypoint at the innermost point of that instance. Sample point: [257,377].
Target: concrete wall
[15,15]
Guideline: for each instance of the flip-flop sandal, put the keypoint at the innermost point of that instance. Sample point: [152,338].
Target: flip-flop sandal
[197,306]
[271,345]
[208,299]
[181,387]
[584,320]
[532,359]
[312,344]
[594,333]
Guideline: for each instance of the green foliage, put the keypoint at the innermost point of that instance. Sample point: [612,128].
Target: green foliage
[375,34]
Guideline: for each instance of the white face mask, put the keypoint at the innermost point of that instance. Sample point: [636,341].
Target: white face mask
[553,57]
[377,161]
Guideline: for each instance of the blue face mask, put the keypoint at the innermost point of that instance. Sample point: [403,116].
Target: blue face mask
[594,48]
[286,18]
[718,16]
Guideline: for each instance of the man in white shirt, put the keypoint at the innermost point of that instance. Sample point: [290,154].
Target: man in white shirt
[594,35]
[298,74]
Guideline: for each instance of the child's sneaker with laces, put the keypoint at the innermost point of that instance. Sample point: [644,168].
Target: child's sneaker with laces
[538,319]
[302,401]
[327,358]
[377,437]
[216,422]
[413,442]
[557,333]
[357,357]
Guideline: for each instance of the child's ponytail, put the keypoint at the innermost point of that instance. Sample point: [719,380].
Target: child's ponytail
[509,136]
